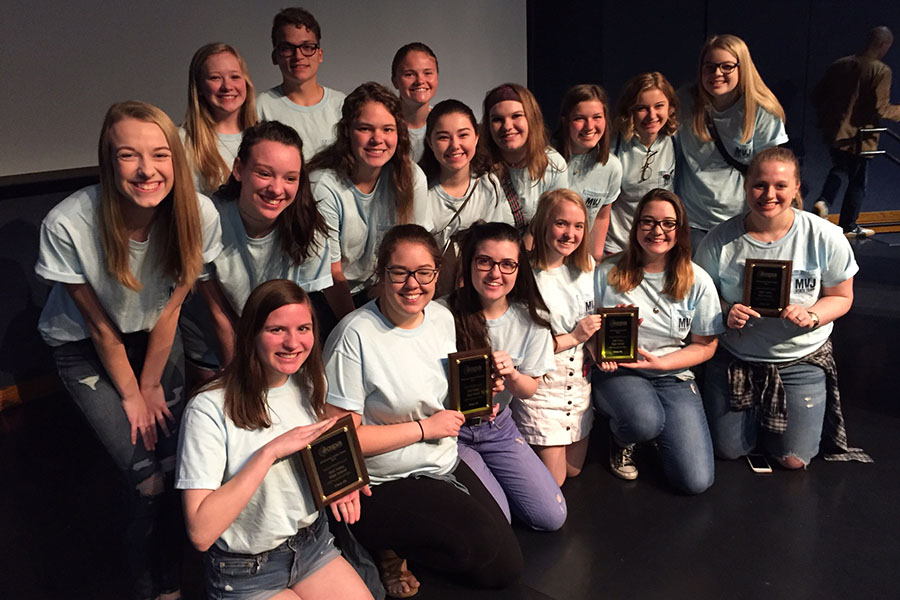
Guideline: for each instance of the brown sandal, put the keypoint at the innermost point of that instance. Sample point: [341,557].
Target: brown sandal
[397,580]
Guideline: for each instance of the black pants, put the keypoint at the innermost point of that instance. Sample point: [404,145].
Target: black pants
[433,523]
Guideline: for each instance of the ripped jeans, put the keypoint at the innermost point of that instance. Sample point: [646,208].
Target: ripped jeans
[152,524]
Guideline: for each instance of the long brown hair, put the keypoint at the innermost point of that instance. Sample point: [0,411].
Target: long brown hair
[585,92]
[177,233]
[628,272]
[244,379]
[199,124]
[580,259]
[471,326]
[750,84]
[536,145]
[339,156]
[298,223]
[634,87]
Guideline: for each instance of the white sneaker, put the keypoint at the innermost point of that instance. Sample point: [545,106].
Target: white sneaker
[859,232]
[821,208]
[621,461]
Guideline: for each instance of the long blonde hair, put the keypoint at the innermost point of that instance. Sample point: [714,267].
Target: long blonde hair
[628,272]
[750,84]
[580,259]
[199,124]
[176,233]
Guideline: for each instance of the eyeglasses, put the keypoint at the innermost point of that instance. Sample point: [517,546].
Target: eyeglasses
[401,275]
[287,49]
[645,169]
[726,67]
[486,263]
[649,224]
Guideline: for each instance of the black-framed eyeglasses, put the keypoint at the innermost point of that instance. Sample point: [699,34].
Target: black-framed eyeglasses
[649,224]
[402,275]
[648,162]
[286,49]
[726,67]
[486,263]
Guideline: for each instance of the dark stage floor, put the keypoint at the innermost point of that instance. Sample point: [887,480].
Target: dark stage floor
[832,531]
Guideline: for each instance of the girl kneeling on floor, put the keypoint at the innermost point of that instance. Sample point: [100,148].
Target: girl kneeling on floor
[656,398]
[246,501]
[387,367]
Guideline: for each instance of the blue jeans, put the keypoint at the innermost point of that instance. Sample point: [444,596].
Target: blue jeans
[668,410]
[153,530]
[512,472]
[736,433]
[853,168]
[259,576]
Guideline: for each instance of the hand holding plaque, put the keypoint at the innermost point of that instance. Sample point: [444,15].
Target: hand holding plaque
[471,385]
[616,341]
[767,285]
[334,463]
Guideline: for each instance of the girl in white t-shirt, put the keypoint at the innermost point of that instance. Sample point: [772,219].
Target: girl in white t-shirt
[247,503]
[645,122]
[414,73]
[515,139]
[122,256]
[221,105]
[729,102]
[557,419]
[387,367]
[656,397]
[364,184]
[271,229]
[499,306]
[583,140]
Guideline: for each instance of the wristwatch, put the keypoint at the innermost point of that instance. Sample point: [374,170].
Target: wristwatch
[814,317]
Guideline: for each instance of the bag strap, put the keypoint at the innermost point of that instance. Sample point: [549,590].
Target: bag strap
[456,214]
[714,134]
[513,198]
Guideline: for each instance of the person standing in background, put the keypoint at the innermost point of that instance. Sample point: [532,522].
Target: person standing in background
[311,109]
[854,93]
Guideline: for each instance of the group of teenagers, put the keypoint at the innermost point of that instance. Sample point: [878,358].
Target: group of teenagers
[352,243]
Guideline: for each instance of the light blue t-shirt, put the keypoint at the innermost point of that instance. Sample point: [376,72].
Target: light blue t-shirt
[487,202]
[820,257]
[529,345]
[71,252]
[227,144]
[417,142]
[596,183]
[666,322]
[212,450]
[391,375]
[713,191]
[637,180]
[315,123]
[246,262]
[555,177]
[357,221]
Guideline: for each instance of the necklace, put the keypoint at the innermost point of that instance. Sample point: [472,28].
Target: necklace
[649,291]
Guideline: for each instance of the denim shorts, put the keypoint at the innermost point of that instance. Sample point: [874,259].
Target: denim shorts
[261,576]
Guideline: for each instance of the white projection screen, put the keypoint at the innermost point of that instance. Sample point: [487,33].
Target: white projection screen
[63,63]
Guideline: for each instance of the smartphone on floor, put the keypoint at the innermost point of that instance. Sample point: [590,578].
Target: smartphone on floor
[759,463]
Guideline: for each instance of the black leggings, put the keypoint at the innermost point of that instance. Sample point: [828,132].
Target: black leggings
[433,523]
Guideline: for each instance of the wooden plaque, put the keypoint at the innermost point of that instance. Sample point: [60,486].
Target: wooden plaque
[334,463]
[767,285]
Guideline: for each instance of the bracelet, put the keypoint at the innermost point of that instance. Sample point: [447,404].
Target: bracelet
[422,429]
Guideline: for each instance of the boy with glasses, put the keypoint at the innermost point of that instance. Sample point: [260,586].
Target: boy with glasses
[300,101]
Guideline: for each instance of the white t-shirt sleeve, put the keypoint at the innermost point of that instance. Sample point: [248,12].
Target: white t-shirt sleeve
[201,451]
[329,204]
[344,371]
[768,131]
[422,214]
[212,229]
[557,172]
[840,263]
[57,258]
[708,316]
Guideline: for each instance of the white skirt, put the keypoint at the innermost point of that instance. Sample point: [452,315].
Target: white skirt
[560,412]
